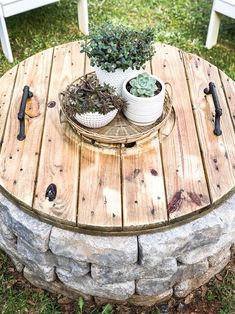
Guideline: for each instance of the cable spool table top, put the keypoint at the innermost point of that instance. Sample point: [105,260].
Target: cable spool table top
[116,189]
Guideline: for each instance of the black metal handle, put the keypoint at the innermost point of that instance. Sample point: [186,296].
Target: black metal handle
[21,114]
[218,110]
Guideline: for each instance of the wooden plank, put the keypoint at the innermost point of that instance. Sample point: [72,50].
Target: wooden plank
[185,180]
[229,90]
[218,151]
[59,160]
[19,159]
[7,83]
[88,67]
[100,188]
[143,186]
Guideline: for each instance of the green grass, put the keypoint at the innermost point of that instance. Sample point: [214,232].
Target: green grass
[18,297]
[224,292]
[182,23]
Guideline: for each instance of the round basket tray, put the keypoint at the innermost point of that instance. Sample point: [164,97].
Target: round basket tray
[120,130]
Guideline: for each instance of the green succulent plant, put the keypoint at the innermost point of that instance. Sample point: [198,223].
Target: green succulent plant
[112,47]
[143,85]
[88,96]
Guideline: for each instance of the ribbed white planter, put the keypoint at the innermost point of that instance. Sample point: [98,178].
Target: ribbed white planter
[143,110]
[95,119]
[116,78]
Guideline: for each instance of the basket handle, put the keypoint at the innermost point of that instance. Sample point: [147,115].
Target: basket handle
[169,91]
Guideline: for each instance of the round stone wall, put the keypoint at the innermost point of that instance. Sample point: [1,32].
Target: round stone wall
[142,269]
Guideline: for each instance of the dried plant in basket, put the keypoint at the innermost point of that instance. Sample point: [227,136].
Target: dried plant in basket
[91,104]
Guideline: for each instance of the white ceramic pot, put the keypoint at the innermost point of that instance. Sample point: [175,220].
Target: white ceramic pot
[143,110]
[116,78]
[95,119]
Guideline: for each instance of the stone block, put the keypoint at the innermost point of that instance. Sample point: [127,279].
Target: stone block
[177,241]
[8,246]
[17,263]
[154,286]
[184,288]
[108,251]
[220,257]
[6,232]
[29,229]
[104,274]
[54,287]
[205,251]
[69,265]
[41,263]
[143,300]
[226,213]
[187,271]
[85,284]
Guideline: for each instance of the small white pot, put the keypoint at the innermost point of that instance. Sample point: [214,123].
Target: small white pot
[116,78]
[143,110]
[95,119]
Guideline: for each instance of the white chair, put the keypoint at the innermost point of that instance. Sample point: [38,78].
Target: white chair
[13,7]
[225,7]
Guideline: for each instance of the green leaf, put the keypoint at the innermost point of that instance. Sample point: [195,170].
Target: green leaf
[107,309]
[81,303]
[210,295]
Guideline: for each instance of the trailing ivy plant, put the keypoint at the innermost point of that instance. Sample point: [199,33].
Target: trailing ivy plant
[88,96]
[112,47]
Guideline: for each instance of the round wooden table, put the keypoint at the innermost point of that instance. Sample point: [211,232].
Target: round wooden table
[116,189]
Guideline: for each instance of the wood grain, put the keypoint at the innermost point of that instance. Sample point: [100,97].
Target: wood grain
[19,159]
[113,189]
[143,186]
[100,188]
[218,151]
[186,186]
[229,90]
[7,83]
[59,160]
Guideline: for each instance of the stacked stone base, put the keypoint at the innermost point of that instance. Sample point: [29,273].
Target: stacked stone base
[141,270]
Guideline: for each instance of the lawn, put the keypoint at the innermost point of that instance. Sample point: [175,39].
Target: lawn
[182,23]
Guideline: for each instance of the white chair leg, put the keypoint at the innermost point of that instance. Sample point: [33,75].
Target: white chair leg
[6,46]
[213,29]
[83,16]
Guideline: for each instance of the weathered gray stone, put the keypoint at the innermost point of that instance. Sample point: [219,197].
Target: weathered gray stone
[17,263]
[226,213]
[201,248]
[154,286]
[187,271]
[29,229]
[177,241]
[39,262]
[85,284]
[103,274]
[219,257]
[6,232]
[109,251]
[72,275]
[142,300]
[182,289]
[54,287]
[72,267]
[203,252]
[8,246]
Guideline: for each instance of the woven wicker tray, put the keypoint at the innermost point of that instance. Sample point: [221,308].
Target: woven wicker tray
[119,130]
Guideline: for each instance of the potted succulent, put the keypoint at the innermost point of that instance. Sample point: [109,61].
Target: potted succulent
[118,51]
[145,96]
[91,104]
